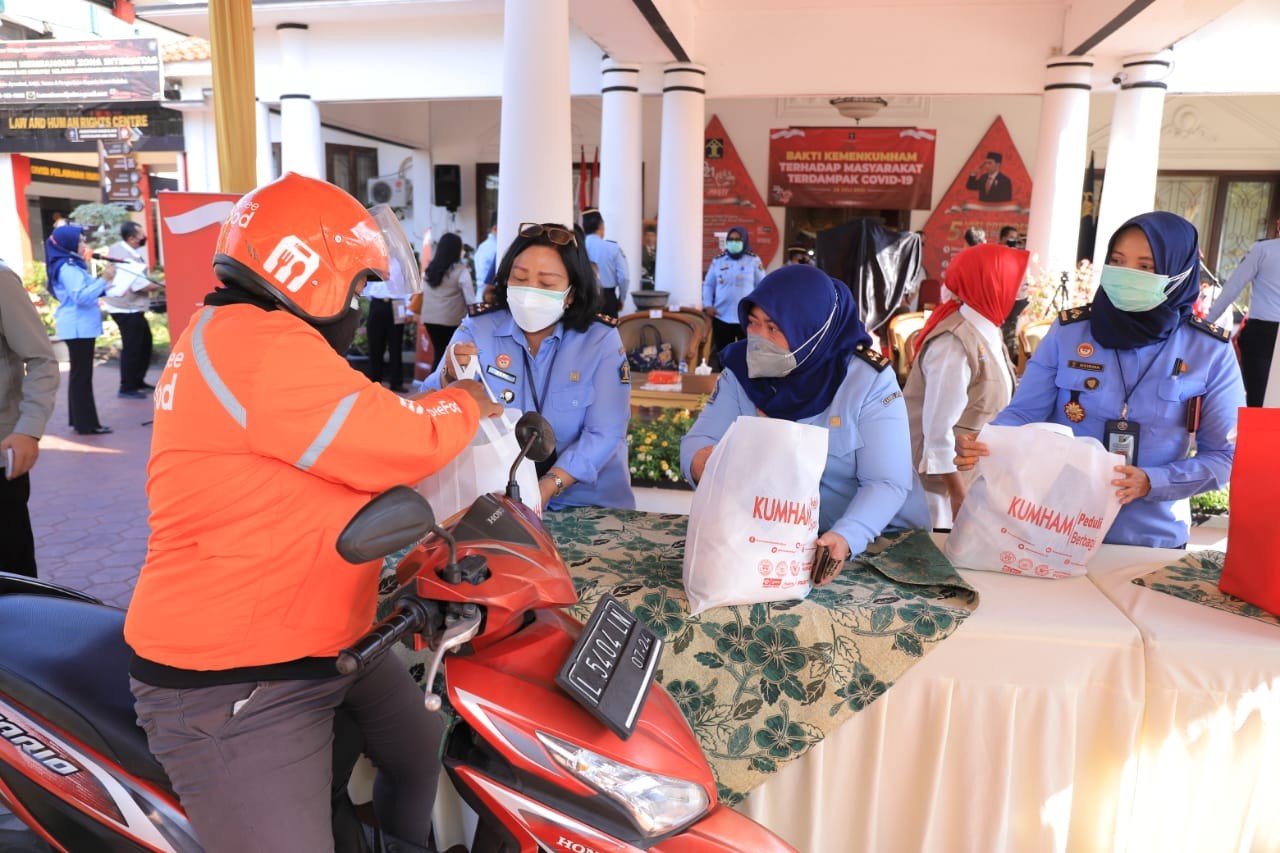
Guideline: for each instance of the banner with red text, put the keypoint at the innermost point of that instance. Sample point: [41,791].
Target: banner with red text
[992,191]
[729,198]
[189,227]
[871,167]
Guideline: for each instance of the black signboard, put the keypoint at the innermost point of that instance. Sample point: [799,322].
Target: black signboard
[69,72]
[121,176]
[52,172]
[611,668]
[68,129]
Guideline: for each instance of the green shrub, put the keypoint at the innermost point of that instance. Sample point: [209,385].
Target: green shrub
[655,445]
[1212,503]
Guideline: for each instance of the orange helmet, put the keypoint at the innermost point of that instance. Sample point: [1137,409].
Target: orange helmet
[306,244]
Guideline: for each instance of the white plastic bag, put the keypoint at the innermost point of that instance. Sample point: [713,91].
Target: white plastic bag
[1041,504]
[483,466]
[754,518]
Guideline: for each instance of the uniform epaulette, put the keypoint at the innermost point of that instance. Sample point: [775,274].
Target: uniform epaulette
[871,357]
[607,320]
[1211,329]
[1068,316]
[475,309]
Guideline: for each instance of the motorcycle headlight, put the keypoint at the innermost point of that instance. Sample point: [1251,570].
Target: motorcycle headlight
[657,804]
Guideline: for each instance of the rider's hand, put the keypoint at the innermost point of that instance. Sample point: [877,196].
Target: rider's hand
[1133,484]
[968,449]
[709,311]
[462,352]
[488,408]
[25,450]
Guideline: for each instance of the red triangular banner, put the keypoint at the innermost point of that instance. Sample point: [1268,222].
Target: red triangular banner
[979,199]
[729,198]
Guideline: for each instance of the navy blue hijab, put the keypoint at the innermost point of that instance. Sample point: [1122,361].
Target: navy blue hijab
[60,249]
[1175,248]
[800,298]
[746,241]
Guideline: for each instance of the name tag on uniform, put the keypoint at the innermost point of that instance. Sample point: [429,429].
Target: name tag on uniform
[1090,366]
[500,373]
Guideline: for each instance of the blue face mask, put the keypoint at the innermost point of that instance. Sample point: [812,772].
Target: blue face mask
[1136,290]
[734,247]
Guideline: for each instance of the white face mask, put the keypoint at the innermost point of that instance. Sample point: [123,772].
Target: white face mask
[535,309]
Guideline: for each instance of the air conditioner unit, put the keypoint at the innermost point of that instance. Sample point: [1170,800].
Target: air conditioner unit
[393,191]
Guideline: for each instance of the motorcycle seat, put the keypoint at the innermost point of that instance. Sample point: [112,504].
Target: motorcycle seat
[66,661]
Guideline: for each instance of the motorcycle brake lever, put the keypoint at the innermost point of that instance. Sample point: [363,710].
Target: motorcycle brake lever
[454,635]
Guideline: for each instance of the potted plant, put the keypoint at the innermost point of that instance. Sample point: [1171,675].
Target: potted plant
[1209,504]
[654,444]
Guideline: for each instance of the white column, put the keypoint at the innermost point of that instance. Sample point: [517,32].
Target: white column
[1133,149]
[420,175]
[535,175]
[266,171]
[679,264]
[301,143]
[15,249]
[620,161]
[1054,230]
[199,138]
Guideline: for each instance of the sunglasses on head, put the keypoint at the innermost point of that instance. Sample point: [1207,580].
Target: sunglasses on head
[554,233]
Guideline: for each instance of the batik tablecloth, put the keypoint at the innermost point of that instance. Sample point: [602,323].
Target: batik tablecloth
[1195,578]
[760,685]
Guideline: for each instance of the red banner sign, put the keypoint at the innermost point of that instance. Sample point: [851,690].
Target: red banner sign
[871,167]
[60,72]
[993,190]
[189,227]
[730,198]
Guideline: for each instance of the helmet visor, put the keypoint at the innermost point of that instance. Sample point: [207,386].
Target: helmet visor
[403,280]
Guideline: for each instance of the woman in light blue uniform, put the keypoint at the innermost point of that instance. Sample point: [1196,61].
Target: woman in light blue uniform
[808,358]
[1136,356]
[78,320]
[543,347]
[731,276]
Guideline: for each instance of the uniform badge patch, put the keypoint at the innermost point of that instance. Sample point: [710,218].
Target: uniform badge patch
[624,372]
[1085,349]
[575,376]
[503,361]
[1091,383]
[507,395]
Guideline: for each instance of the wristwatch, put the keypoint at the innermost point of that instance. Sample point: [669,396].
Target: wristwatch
[555,478]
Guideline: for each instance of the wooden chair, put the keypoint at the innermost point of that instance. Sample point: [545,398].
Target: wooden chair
[674,327]
[901,328]
[1029,337]
[703,322]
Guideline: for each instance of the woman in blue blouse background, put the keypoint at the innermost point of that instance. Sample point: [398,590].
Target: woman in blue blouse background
[78,319]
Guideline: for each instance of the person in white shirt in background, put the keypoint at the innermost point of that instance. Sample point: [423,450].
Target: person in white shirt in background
[127,300]
[486,258]
[1258,337]
[961,376]
[447,289]
[385,327]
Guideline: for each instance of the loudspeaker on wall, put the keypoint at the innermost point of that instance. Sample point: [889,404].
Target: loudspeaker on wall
[448,187]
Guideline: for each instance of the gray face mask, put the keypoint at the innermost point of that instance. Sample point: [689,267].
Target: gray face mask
[767,360]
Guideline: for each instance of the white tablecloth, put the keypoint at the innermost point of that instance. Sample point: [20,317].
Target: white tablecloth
[1013,735]
[1208,768]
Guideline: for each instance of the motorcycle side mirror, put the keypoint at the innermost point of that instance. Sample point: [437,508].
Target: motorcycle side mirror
[393,520]
[537,442]
[535,435]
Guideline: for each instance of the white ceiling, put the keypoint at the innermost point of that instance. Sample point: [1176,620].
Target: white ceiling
[781,48]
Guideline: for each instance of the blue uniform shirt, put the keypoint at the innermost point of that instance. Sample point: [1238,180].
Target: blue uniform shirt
[486,261]
[1070,364]
[584,389]
[78,314]
[867,485]
[610,262]
[728,280]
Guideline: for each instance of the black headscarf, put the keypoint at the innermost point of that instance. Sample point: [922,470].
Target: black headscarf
[448,252]
[1175,250]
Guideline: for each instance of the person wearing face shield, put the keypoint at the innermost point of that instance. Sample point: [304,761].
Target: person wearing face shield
[808,358]
[1138,371]
[266,442]
[731,276]
[543,346]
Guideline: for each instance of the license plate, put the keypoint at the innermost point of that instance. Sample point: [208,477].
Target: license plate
[611,667]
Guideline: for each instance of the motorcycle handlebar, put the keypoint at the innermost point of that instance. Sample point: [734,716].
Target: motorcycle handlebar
[411,616]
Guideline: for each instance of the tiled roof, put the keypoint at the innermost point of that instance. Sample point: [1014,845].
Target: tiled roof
[190,49]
